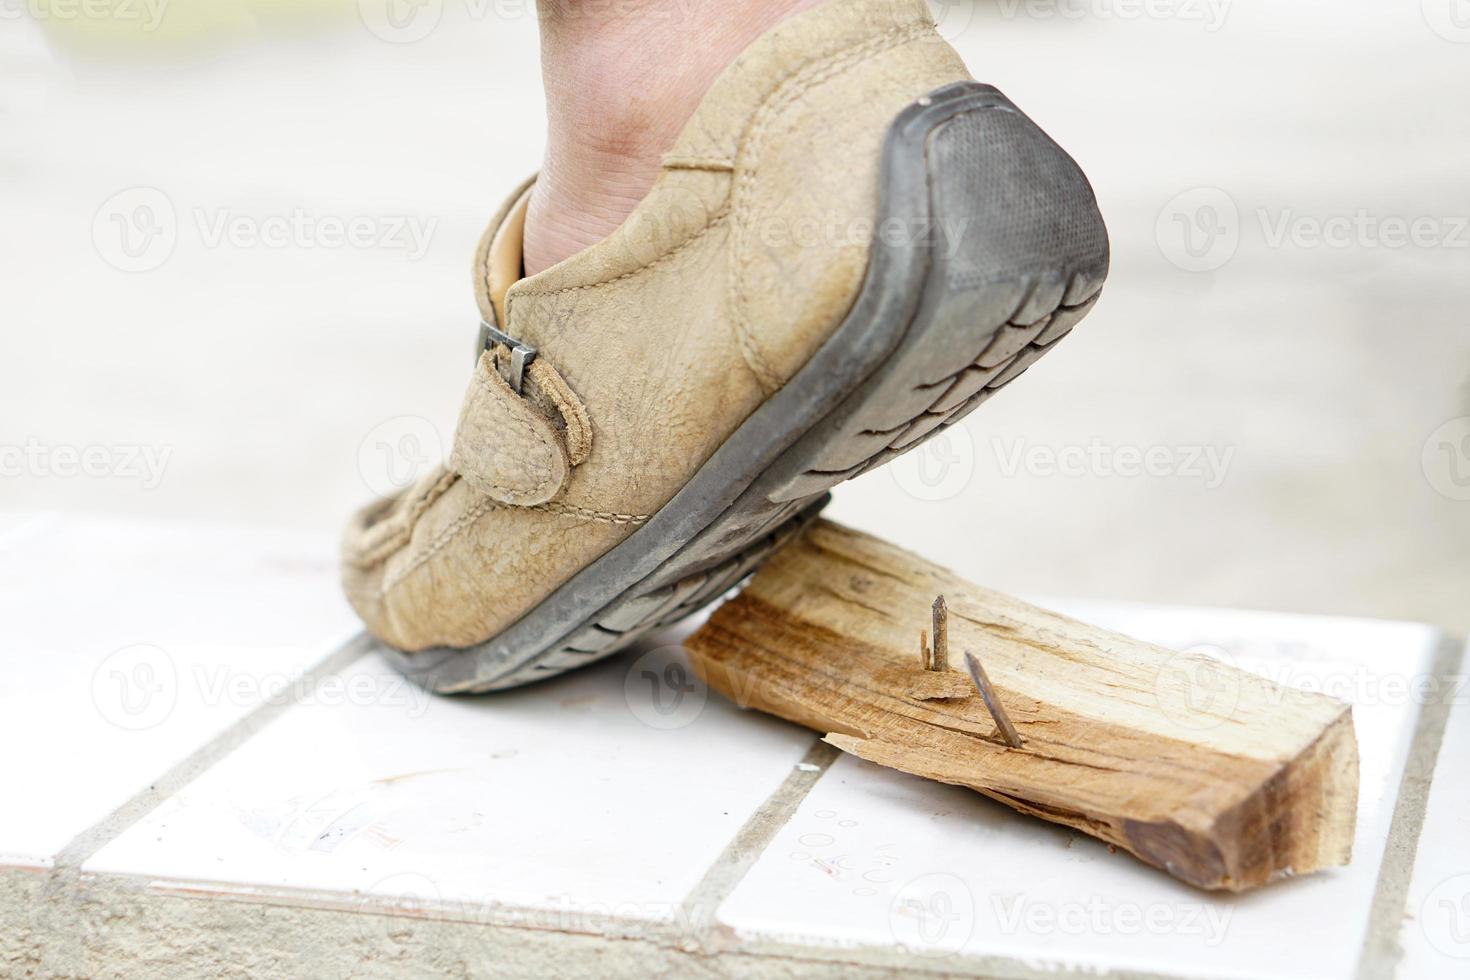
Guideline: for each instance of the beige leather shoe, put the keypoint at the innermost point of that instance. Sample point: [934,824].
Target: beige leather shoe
[851,245]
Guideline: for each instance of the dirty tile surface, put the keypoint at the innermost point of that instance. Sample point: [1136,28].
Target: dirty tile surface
[129,645]
[878,858]
[600,801]
[1436,928]
[606,792]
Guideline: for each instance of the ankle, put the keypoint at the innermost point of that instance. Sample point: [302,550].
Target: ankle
[621,81]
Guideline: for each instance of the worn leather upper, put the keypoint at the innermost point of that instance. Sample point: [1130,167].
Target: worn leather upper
[656,343]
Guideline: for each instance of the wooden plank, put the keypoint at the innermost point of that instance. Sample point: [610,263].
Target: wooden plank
[1221,778]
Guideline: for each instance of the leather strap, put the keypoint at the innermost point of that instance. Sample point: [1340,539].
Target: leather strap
[519,449]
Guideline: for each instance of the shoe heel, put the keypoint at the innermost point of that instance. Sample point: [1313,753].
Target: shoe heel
[1013,253]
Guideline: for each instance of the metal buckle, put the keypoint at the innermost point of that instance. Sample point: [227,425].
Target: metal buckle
[521,354]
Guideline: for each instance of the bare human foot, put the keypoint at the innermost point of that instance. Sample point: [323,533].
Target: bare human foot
[622,77]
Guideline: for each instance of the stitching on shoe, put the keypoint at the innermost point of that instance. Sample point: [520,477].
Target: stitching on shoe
[714,222]
[600,516]
[576,428]
[483,507]
[445,535]
[787,93]
[403,534]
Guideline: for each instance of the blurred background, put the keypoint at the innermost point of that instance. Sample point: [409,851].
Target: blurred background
[237,238]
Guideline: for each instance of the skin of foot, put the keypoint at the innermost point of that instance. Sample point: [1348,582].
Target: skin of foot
[622,77]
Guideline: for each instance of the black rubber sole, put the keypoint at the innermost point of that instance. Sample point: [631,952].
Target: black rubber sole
[1005,253]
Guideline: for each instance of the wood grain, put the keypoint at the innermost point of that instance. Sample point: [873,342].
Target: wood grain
[1221,778]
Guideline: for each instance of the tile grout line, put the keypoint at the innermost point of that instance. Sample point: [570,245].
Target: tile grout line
[699,907]
[87,843]
[1382,948]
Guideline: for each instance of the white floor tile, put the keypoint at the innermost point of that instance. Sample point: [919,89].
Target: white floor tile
[16,526]
[1436,933]
[127,645]
[609,791]
[878,858]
